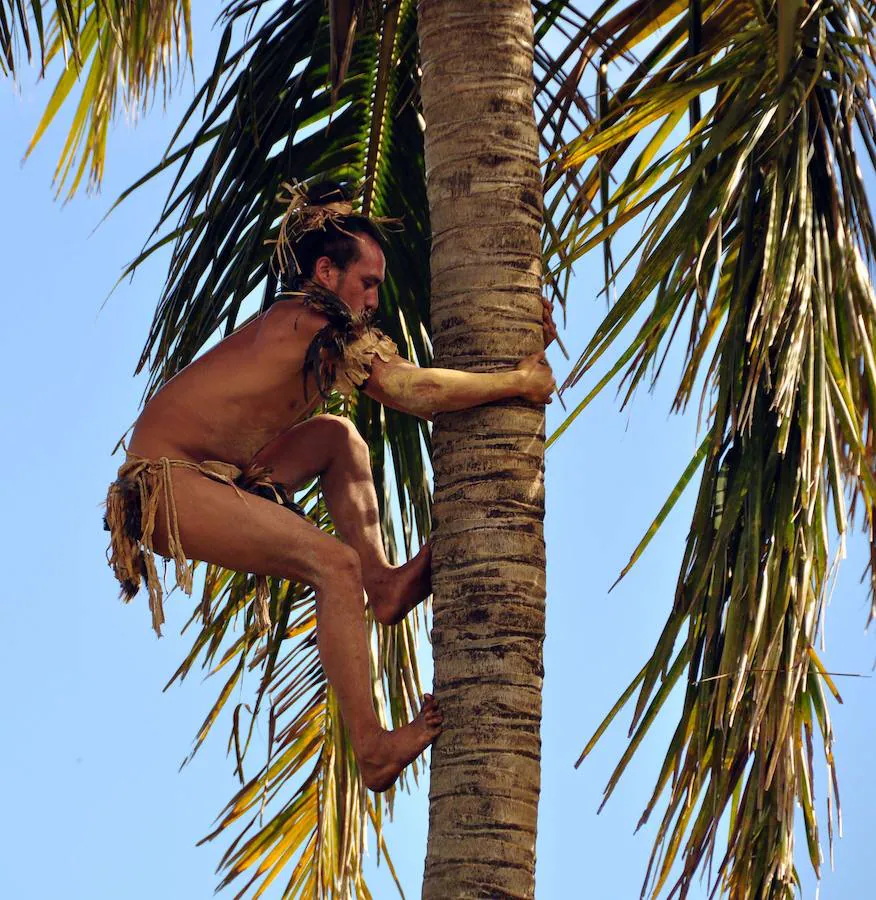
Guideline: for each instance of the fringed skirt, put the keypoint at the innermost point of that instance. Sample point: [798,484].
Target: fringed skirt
[132,506]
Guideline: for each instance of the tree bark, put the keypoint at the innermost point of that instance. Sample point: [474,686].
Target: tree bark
[485,201]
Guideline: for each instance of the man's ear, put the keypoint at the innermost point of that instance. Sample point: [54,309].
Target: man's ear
[322,271]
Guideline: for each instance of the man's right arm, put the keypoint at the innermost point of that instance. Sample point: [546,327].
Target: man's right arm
[424,392]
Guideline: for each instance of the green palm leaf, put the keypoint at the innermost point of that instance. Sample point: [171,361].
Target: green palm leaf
[128,50]
[22,26]
[756,241]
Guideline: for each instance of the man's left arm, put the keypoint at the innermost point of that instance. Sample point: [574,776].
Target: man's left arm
[424,392]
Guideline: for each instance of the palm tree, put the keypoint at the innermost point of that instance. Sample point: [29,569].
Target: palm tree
[484,191]
[730,146]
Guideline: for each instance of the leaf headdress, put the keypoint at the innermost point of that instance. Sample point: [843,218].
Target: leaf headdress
[304,214]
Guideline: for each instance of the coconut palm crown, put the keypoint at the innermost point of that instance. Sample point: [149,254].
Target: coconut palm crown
[726,134]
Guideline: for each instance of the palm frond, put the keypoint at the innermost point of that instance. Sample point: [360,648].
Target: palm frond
[345,18]
[568,42]
[757,241]
[23,31]
[129,51]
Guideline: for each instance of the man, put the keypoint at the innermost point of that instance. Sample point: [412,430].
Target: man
[218,450]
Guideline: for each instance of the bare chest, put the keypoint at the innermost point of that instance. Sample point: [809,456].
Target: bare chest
[224,407]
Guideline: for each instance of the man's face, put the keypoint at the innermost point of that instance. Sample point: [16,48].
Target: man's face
[358,284]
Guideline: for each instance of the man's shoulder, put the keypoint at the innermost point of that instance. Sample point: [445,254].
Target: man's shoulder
[290,319]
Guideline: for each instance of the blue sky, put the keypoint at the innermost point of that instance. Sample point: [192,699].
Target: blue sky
[95,806]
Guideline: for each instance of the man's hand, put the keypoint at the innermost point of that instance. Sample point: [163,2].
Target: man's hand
[537,379]
[549,327]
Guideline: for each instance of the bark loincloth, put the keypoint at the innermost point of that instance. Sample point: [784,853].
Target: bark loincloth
[131,510]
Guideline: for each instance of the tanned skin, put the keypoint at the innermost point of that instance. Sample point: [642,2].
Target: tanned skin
[244,402]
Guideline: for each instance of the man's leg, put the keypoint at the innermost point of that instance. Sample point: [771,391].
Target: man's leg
[249,534]
[331,447]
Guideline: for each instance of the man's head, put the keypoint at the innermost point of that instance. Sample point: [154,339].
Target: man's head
[345,256]
[356,274]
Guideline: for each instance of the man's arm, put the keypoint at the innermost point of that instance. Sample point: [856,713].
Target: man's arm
[424,392]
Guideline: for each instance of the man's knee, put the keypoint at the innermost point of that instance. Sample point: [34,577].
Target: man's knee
[342,435]
[342,568]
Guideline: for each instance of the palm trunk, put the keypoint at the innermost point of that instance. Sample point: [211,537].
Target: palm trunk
[485,202]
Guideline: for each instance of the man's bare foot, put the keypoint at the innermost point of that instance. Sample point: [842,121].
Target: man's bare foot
[393,592]
[384,757]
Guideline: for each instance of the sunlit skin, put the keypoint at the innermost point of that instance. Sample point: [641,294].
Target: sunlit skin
[244,402]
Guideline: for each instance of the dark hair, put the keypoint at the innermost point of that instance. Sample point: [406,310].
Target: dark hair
[338,239]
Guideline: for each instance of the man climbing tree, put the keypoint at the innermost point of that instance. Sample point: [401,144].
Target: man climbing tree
[216,486]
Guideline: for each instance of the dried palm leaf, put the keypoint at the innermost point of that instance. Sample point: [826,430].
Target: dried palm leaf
[757,239]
